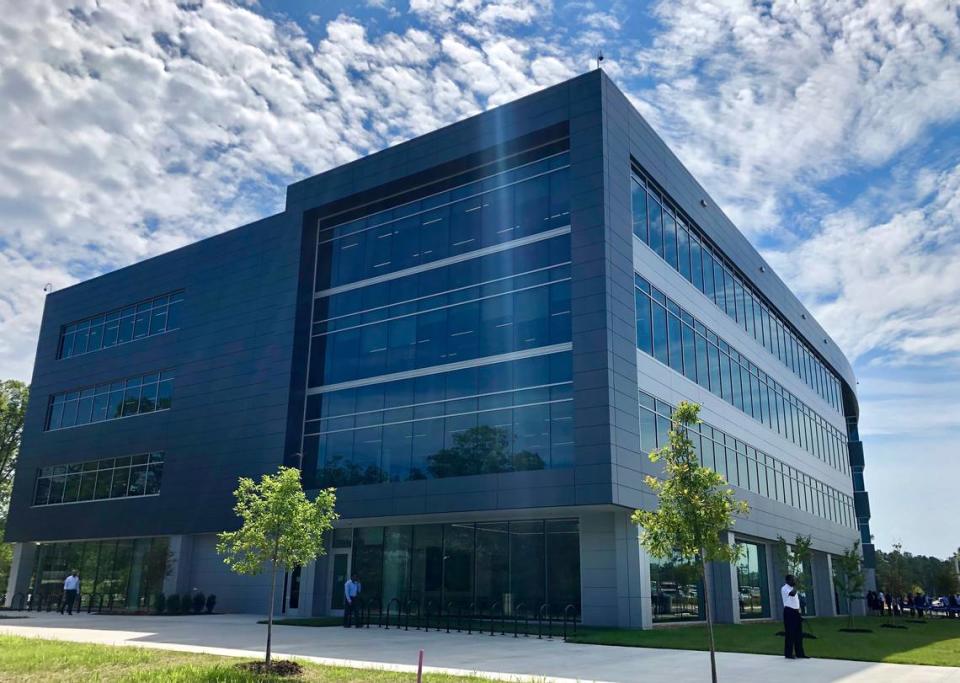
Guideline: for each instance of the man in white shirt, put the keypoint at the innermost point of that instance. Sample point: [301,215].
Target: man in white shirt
[70,587]
[351,602]
[792,626]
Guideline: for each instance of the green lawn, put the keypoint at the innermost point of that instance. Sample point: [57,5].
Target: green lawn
[33,660]
[935,642]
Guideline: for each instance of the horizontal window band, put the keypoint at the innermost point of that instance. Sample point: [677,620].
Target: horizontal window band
[442,308]
[438,369]
[436,417]
[406,302]
[442,401]
[512,169]
[450,260]
[95,500]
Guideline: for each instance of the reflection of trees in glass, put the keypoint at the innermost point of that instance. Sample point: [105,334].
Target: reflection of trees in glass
[339,472]
[481,450]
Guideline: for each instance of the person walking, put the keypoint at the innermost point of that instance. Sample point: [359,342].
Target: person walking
[351,602]
[71,585]
[792,621]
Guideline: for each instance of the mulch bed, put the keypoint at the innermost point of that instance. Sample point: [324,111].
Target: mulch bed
[279,668]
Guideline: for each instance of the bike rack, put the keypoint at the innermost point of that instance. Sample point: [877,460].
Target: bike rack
[516,619]
[567,610]
[492,622]
[544,610]
[387,616]
[406,625]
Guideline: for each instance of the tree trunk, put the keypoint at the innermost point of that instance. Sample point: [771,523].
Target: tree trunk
[273,592]
[709,616]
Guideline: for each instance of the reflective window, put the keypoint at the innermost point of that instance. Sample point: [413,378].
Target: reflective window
[690,348]
[125,574]
[685,247]
[491,305]
[676,590]
[483,568]
[523,201]
[111,400]
[125,477]
[501,417]
[744,466]
[754,592]
[144,319]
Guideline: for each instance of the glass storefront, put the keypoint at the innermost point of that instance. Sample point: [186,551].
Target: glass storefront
[676,590]
[483,567]
[126,573]
[752,581]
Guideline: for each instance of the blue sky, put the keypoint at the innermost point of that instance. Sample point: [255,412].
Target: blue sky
[830,133]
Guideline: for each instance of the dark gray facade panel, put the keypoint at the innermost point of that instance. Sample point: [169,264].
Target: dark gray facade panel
[232,363]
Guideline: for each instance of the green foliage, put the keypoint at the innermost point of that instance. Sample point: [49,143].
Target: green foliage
[159,603]
[13,407]
[280,526]
[210,603]
[695,507]
[198,601]
[900,572]
[795,559]
[696,503]
[848,577]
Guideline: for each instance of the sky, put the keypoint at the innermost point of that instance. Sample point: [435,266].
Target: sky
[828,132]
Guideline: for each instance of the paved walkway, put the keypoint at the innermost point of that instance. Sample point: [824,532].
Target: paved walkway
[497,657]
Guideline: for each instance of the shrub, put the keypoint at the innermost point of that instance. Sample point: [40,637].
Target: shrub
[198,602]
[173,604]
[159,603]
[211,603]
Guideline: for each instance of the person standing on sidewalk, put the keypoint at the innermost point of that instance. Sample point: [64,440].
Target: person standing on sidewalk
[792,621]
[71,585]
[351,602]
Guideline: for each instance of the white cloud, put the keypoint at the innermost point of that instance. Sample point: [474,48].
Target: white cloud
[132,128]
[761,99]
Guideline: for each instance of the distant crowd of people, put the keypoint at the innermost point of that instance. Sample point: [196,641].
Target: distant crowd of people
[912,604]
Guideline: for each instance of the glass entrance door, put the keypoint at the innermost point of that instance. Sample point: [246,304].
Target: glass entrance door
[339,573]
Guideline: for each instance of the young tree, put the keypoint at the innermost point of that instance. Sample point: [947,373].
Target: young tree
[848,578]
[892,574]
[280,527]
[696,507]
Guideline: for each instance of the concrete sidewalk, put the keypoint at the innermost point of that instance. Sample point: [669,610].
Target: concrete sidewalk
[497,657]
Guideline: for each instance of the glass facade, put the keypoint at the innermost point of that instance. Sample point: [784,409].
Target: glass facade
[467,290]
[752,581]
[494,210]
[124,573]
[500,303]
[677,339]
[144,319]
[748,467]
[676,590]
[111,400]
[682,244]
[503,417]
[129,476]
[478,567]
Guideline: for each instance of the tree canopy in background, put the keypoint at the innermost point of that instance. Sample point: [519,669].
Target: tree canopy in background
[13,406]
[900,572]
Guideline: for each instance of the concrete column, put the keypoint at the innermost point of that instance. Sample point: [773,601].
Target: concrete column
[822,569]
[179,572]
[21,569]
[724,589]
[614,572]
